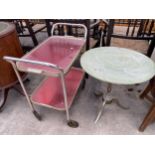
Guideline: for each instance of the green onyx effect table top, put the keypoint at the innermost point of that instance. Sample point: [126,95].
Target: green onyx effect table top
[118,65]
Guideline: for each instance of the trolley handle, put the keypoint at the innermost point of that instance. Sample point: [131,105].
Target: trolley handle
[94,24]
[8,58]
[70,24]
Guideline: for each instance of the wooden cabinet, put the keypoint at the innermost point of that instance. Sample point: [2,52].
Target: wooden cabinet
[9,46]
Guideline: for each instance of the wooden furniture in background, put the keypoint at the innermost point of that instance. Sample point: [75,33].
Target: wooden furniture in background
[32,27]
[9,46]
[135,29]
[150,116]
[28,28]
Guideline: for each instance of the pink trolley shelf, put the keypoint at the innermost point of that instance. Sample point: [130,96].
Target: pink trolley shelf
[52,86]
[54,59]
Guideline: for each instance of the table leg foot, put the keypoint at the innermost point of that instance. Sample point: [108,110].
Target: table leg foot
[98,93]
[120,105]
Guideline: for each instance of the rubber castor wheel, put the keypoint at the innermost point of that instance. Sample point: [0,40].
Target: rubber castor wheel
[37,115]
[73,124]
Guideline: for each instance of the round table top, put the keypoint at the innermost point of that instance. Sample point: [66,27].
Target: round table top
[118,65]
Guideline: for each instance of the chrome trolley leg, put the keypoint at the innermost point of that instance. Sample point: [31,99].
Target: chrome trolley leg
[71,123]
[36,114]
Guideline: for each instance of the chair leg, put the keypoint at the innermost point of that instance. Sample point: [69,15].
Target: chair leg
[151,47]
[147,89]
[48,27]
[148,118]
[35,41]
[4,97]
[88,34]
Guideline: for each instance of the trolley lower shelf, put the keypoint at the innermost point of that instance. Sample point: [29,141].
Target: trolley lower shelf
[50,93]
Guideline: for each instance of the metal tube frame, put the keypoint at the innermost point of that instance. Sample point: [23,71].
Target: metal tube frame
[70,24]
[13,61]
[65,95]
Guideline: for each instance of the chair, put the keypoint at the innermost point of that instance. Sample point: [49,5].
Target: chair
[150,116]
[30,28]
[128,30]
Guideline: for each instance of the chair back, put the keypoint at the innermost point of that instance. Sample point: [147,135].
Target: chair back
[137,29]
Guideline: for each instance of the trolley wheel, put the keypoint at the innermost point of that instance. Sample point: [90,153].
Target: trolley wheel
[73,124]
[37,115]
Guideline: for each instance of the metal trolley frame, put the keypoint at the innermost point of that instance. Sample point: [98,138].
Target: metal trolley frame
[61,73]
